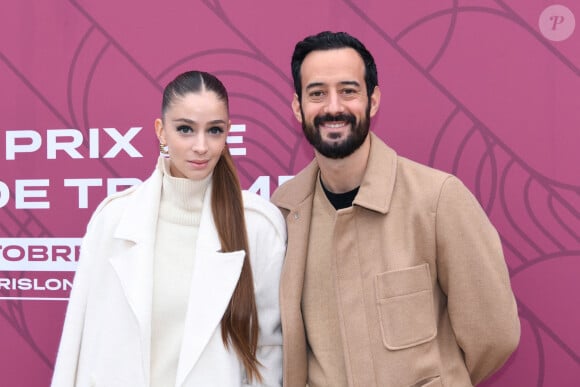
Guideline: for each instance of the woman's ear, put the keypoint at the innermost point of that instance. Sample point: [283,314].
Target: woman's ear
[159,131]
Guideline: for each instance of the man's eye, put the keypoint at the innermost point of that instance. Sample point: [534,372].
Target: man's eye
[317,93]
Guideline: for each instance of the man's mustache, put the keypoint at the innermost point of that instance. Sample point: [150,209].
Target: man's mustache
[349,118]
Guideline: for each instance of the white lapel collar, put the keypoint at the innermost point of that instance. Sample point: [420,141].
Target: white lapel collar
[134,266]
[214,279]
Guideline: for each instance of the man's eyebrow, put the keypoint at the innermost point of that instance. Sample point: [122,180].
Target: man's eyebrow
[350,83]
[313,85]
[343,83]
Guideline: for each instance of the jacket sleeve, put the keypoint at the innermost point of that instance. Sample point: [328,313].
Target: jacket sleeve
[267,255]
[67,361]
[473,274]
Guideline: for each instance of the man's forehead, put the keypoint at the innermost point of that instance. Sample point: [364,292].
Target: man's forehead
[343,54]
[332,67]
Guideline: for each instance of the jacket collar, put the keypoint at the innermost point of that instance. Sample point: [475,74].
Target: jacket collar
[214,278]
[298,189]
[375,192]
[376,189]
[134,265]
[213,282]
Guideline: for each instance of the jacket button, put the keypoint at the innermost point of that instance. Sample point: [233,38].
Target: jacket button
[296,216]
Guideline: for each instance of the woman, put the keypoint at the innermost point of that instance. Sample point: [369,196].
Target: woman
[177,283]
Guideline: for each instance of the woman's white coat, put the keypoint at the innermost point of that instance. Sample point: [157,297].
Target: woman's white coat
[107,332]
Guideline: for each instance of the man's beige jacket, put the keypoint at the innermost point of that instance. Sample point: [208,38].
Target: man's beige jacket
[423,292]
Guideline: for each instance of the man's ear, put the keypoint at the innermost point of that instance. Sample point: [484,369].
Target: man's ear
[296,108]
[375,101]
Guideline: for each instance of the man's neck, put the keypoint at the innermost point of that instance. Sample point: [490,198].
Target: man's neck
[343,175]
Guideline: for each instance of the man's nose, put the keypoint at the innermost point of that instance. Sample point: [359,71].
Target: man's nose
[334,104]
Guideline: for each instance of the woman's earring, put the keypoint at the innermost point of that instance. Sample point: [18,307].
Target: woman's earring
[163,150]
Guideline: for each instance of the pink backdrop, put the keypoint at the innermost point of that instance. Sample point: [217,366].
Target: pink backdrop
[488,90]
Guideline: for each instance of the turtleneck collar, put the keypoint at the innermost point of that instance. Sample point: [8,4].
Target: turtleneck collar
[181,198]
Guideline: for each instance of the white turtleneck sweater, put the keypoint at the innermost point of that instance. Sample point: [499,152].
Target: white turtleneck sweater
[178,224]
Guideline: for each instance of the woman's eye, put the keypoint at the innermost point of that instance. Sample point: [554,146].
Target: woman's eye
[215,130]
[184,129]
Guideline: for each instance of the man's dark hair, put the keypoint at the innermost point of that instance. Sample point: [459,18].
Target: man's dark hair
[328,41]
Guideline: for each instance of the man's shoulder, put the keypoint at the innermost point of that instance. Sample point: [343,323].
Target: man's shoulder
[418,183]
[423,171]
[385,155]
[298,188]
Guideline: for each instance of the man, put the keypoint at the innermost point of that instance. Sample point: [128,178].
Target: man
[394,275]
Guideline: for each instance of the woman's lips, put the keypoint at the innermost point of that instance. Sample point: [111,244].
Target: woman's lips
[199,164]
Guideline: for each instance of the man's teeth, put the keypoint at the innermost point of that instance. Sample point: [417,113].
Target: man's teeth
[336,125]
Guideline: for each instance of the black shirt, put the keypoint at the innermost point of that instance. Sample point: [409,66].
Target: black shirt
[340,200]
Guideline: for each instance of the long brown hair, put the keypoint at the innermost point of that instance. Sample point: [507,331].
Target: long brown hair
[239,325]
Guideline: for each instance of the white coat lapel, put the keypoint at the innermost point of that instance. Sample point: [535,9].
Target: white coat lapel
[134,266]
[215,276]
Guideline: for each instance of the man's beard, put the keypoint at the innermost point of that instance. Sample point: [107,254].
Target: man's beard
[339,149]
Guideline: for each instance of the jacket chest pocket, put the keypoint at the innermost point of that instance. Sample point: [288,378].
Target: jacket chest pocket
[405,307]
